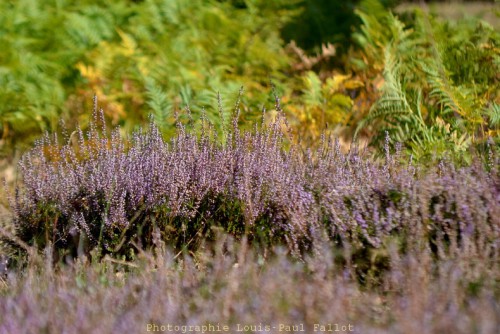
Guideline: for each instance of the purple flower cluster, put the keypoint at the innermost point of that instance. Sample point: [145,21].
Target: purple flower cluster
[99,189]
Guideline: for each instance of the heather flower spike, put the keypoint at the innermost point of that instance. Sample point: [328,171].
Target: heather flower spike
[115,192]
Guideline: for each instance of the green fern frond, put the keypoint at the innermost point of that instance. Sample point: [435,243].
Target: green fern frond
[159,103]
[493,113]
[312,93]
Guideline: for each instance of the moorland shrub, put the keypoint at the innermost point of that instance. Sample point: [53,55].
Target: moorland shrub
[101,191]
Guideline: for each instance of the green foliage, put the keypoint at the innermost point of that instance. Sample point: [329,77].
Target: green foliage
[324,105]
[431,84]
[159,103]
[327,21]
[41,43]
[440,85]
[152,56]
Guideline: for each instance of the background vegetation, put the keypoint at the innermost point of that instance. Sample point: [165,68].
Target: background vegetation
[440,77]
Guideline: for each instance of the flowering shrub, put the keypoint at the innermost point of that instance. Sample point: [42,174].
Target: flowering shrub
[100,190]
[228,284]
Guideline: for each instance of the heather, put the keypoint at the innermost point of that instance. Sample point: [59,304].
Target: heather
[244,228]
[100,191]
[235,285]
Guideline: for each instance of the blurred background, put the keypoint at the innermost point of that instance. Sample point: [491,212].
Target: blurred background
[334,63]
